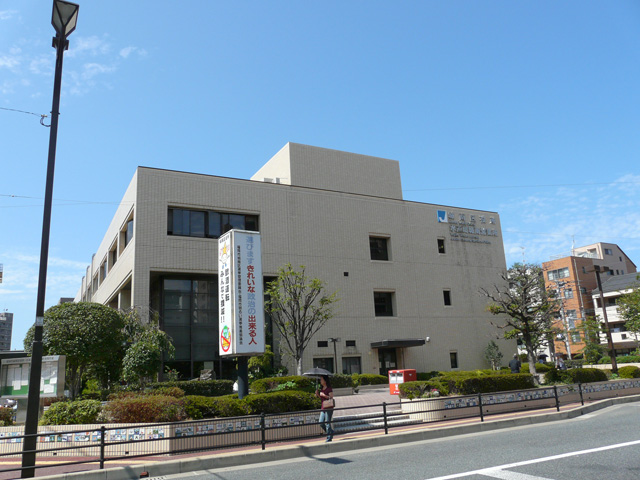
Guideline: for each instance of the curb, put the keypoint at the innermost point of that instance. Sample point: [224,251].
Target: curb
[172,467]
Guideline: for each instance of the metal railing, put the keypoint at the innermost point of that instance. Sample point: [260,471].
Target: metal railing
[102,444]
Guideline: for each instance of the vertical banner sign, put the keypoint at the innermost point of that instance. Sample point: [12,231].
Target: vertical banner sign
[240,294]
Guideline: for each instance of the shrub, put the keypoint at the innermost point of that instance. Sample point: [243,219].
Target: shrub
[472,384]
[427,375]
[583,375]
[168,392]
[605,359]
[341,381]
[265,385]
[198,406]
[630,371]
[6,416]
[628,359]
[72,413]
[421,388]
[207,388]
[145,409]
[289,401]
[543,367]
[369,379]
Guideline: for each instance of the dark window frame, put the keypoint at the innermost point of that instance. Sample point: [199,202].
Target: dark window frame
[446,297]
[383,304]
[379,248]
[441,246]
[213,223]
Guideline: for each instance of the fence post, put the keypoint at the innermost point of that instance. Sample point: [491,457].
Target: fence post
[580,390]
[263,435]
[555,393]
[480,407]
[103,435]
[384,414]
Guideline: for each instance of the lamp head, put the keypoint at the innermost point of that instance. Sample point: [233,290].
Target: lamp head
[64,17]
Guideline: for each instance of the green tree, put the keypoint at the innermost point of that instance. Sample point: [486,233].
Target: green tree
[629,309]
[90,335]
[261,366]
[299,307]
[493,355]
[526,307]
[593,349]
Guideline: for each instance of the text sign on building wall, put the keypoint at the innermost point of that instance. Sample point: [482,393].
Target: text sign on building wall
[465,227]
[240,294]
[14,377]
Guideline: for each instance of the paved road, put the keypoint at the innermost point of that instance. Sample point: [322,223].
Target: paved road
[603,444]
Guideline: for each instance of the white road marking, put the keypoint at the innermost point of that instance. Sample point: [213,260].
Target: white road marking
[507,475]
[491,470]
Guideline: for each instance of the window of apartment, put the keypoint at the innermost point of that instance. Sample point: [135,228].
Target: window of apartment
[103,271]
[379,247]
[559,273]
[571,316]
[446,295]
[350,343]
[575,337]
[351,365]
[453,358]
[383,304]
[326,363]
[128,233]
[583,290]
[608,251]
[322,343]
[441,248]
[206,223]
[113,256]
[568,293]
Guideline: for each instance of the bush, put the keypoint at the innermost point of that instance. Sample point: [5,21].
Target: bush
[421,388]
[168,392]
[630,371]
[543,367]
[472,384]
[198,407]
[207,388]
[265,385]
[72,413]
[369,379]
[290,401]
[6,416]
[605,359]
[628,359]
[341,381]
[145,409]
[427,375]
[583,375]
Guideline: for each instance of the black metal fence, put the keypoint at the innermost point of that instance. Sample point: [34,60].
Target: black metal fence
[102,444]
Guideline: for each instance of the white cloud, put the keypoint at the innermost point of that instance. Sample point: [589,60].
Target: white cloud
[42,65]
[7,14]
[9,61]
[125,52]
[90,70]
[88,45]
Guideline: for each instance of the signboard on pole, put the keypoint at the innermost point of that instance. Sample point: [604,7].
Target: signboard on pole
[240,294]
[14,377]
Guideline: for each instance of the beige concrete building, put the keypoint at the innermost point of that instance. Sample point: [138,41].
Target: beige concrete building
[407,273]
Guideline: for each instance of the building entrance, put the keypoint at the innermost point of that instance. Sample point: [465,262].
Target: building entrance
[387,360]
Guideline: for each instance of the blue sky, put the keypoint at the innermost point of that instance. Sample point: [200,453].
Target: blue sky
[530,109]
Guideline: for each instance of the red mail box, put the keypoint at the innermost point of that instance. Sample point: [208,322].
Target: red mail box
[397,377]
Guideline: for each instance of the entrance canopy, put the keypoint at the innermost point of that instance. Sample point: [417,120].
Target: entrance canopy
[399,343]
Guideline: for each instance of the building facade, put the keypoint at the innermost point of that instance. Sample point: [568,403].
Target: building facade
[403,270]
[573,277]
[6,330]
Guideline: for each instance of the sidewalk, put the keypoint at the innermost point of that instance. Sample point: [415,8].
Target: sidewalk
[169,465]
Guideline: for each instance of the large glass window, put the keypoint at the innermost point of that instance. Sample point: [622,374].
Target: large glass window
[351,365]
[128,233]
[326,363]
[383,304]
[559,273]
[207,223]
[379,247]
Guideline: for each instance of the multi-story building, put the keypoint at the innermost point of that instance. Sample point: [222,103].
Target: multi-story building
[612,289]
[573,277]
[404,271]
[6,329]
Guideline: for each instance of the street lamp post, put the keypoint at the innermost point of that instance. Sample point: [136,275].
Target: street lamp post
[335,354]
[63,19]
[612,351]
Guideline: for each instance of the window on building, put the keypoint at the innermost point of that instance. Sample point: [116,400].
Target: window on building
[571,316]
[383,304]
[608,251]
[568,293]
[559,273]
[351,365]
[583,290]
[379,247]
[323,344]
[326,363]
[207,223]
[103,271]
[113,256]
[446,295]
[453,358]
[128,233]
[575,337]
[441,248]
[350,343]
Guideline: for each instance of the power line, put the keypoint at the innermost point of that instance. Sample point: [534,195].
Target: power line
[41,115]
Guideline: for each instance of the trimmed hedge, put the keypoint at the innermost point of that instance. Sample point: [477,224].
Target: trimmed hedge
[468,383]
[145,409]
[198,407]
[305,384]
[369,379]
[72,413]
[206,388]
[630,371]
[427,375]
[575,375]
[341,381]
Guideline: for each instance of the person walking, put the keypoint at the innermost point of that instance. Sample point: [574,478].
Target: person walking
[515,364]
[328,403]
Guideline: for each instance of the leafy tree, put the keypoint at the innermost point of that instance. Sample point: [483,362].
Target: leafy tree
[629,309]
[593,350]
[493,355]
[90,335]
[526,307]
[261,366]
[299,307]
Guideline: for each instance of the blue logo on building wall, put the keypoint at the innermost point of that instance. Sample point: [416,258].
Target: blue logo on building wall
[442,217]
